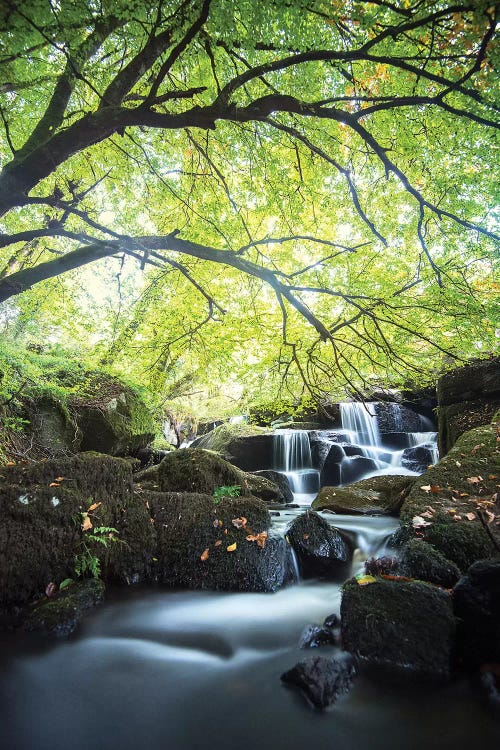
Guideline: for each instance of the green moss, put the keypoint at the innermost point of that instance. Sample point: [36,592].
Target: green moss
[61,615]
[463,543]
[376,495]
[219,439]
[423,561]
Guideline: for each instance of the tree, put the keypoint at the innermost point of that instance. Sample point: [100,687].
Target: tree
[334,158]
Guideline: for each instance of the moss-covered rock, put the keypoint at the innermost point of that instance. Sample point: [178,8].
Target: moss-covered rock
[200,547]
[60,615]
[321,550]
[281,480]
[404,625]
[247,447]
[381,495]
[455,419]
[199,470]
[457,490]
[51,428]
[421,560]
[112,417]
[43,507]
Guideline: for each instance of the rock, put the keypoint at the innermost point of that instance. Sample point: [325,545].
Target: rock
[321,550]
[351,450]
[423,561]
[322,679]
[393,417]
[454,488]
[314,636]
[245,446]
[199,547]
[41,530]
[396,440]
[354,468]
[456,419]
[112,417]
[298,426]
[60,616]
[320,448]
[381,495]
[202,471]
[488,683]
[52,430]
[476,380]
[402,625]
[281,480]
[418,458]
[477,605]
[330,471]
[467,397]
[332,621]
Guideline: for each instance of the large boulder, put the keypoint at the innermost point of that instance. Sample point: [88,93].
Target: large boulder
[51,429]
[322,551]
[354,468]
[331,461]
[394,417]
[477,605]
[248,447]
[112,416]
[454,500]
[225,546]
[467,397]
[202,471]
[418,458]
[50,512]
[405,625]
[381,495]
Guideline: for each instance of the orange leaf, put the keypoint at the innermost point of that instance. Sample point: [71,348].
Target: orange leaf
[60,479]
[435,489]
[11,463]
[204,555]
[87,523]
[94,506]
[54,484]
[240,523]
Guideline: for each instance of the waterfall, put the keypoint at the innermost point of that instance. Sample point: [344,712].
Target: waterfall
[292,457]
[361,419]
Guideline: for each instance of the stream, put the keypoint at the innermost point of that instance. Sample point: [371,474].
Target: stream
[158,669]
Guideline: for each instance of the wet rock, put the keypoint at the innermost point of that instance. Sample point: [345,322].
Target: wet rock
[322,679]
[355,468]
[393,417]
[374,496]
[320,448]
[245,446]
[488,685]
[314,636]
[199,546]
[331,471]
[61,615]
[477,605]
[418,458]
[281,480]
[352,450]
[202,471]
[423,561]
[402,625]
[321,550]
[395,440]
[332,621]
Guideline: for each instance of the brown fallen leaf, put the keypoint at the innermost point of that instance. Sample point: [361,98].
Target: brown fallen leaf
[457,518]
[204,555]
[476,448]
[218,543]
[54,484]
[87,523]
[260,539]
[435,489]
[94,506]
[240,523]
[60,479]
[470,516]
[474,480]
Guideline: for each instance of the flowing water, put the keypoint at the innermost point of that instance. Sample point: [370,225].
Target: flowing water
[180,670]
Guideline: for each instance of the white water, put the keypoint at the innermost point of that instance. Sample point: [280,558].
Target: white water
[292,457]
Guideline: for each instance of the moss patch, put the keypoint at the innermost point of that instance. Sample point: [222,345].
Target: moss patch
[61,615]
[374,496]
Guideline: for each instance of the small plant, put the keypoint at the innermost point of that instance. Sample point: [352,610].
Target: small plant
[87,562]
[230,491]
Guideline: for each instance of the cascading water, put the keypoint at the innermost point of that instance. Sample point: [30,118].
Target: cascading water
[292,457]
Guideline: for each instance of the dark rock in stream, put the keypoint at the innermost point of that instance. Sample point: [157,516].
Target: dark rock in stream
[418,458]
[403,625]
[60,615]
[322,551]
[423,561]
[314,636]
[322,679]
[280,479]
[477,605]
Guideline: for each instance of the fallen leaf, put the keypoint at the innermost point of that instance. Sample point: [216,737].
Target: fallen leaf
[470,516]
[476,448]
[87,523]
[218,543]
[216,524]
[364,580]
[457,518]
[426,488]
[231,547]
[435,489]
[261,538]
[305,536]
[94,506]
[451,510]
[54,484]
[474,480]
[51,589]
[419,521]
[225,531]
[240,523]
[492,476]
[60,479]
[464,494]
[457,463]
[427,514]
[204,555]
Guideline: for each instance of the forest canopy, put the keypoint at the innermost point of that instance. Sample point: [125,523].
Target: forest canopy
[251,199]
